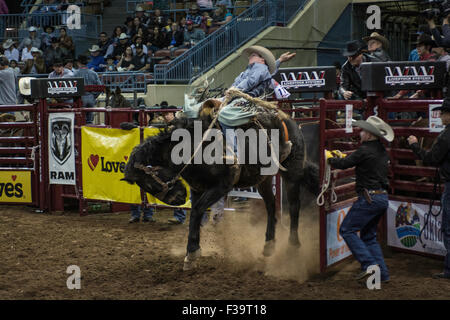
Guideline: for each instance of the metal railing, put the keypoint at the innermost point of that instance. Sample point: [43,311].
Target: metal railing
[128,82]
[29,4]
[218,45]
[15,26]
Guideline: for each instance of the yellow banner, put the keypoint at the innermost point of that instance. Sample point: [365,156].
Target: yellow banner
[148,132]
[104,154]
[15,186]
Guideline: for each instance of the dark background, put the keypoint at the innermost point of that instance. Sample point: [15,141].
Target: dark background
[14,6]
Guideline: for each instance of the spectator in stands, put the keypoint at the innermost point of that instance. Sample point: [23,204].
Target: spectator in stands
[121,46]
[351,74]
[136,25]
[55,52]
[47,36]
[140,13]
[97,61]
[176,37]
[14,67]
[35,41]
[129,26]
[377,45]
[70,65]
[26,51]
[36,65]
[440,54]
[126,60]
[116,34]
[8,83]
[414,55]
[59,71]
[140,60]
[66,42]
[139,41]
[103,43]
[141,33]
[182,26]
[110,64]
[192,36]
[158,40]
[90,78]
[157,19]
[222,15]
[194,16]
[3,10]
[11,52]
[441,41]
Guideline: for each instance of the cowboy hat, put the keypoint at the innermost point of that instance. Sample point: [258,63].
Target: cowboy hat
[139,9]
[123,36]
[25,85]
[377,127]
[378,37]
[94,48]
[8,43]
[265,54]
[425,39]
[352,48]
[32,29]
[34,49]
[445,106]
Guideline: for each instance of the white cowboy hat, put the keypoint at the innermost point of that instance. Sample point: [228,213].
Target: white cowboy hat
[34,49]
[8,43]
[139,9]
[32,29]
[265,54]
[25,85]
[377,127]
[94,48]
[123,36]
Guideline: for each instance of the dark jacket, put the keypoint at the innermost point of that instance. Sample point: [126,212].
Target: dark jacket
[351,81]
[445,41]
[438,155]
[371,161]
[378,55]
[178,36]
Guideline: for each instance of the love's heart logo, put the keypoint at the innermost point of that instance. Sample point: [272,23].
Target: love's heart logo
[126,158]
[93,161]
[14,177]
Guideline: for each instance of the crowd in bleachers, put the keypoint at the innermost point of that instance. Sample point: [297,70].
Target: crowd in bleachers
[147,38]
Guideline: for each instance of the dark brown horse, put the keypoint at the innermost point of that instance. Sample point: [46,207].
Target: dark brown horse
[151,166]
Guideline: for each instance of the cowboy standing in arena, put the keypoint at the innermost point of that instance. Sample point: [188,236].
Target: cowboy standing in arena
[439,156]
[371,166]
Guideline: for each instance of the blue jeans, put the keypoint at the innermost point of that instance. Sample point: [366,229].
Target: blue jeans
[229,136]
[445,227]
[364,217]
[89,102]
[179,214]
[136,212]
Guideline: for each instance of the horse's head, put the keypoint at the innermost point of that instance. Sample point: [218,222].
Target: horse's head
[148,167]
[116,99]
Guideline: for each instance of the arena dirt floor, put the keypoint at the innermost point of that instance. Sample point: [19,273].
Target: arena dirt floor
[144,261]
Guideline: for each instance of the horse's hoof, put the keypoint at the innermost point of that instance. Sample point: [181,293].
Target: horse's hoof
[294,242]
[190,261]
[269,248]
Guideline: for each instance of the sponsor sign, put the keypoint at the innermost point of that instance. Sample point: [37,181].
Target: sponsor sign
[435,120]
[406,219]
[57,88]
[348,118]
[61,148]
[15,186]
[104,154]
[385,76]
[308,79]
[336,247]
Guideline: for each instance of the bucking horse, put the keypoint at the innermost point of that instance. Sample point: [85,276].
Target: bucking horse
[151,167]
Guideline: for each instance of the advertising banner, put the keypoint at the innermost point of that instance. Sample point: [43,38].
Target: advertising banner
[61,152]
[336,247]
[104,154]
[307,79]
[406,219]
[435,120]
[15,186]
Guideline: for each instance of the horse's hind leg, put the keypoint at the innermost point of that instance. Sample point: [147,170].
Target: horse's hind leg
[265,190]
[293,197]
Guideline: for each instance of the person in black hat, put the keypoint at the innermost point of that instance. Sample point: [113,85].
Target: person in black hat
[55,52]
[439,155]
[350,87]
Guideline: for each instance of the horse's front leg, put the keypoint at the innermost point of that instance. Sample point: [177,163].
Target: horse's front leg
[293,196]
[200,202]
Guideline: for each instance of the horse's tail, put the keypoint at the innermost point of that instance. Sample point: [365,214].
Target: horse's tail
[311,177]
